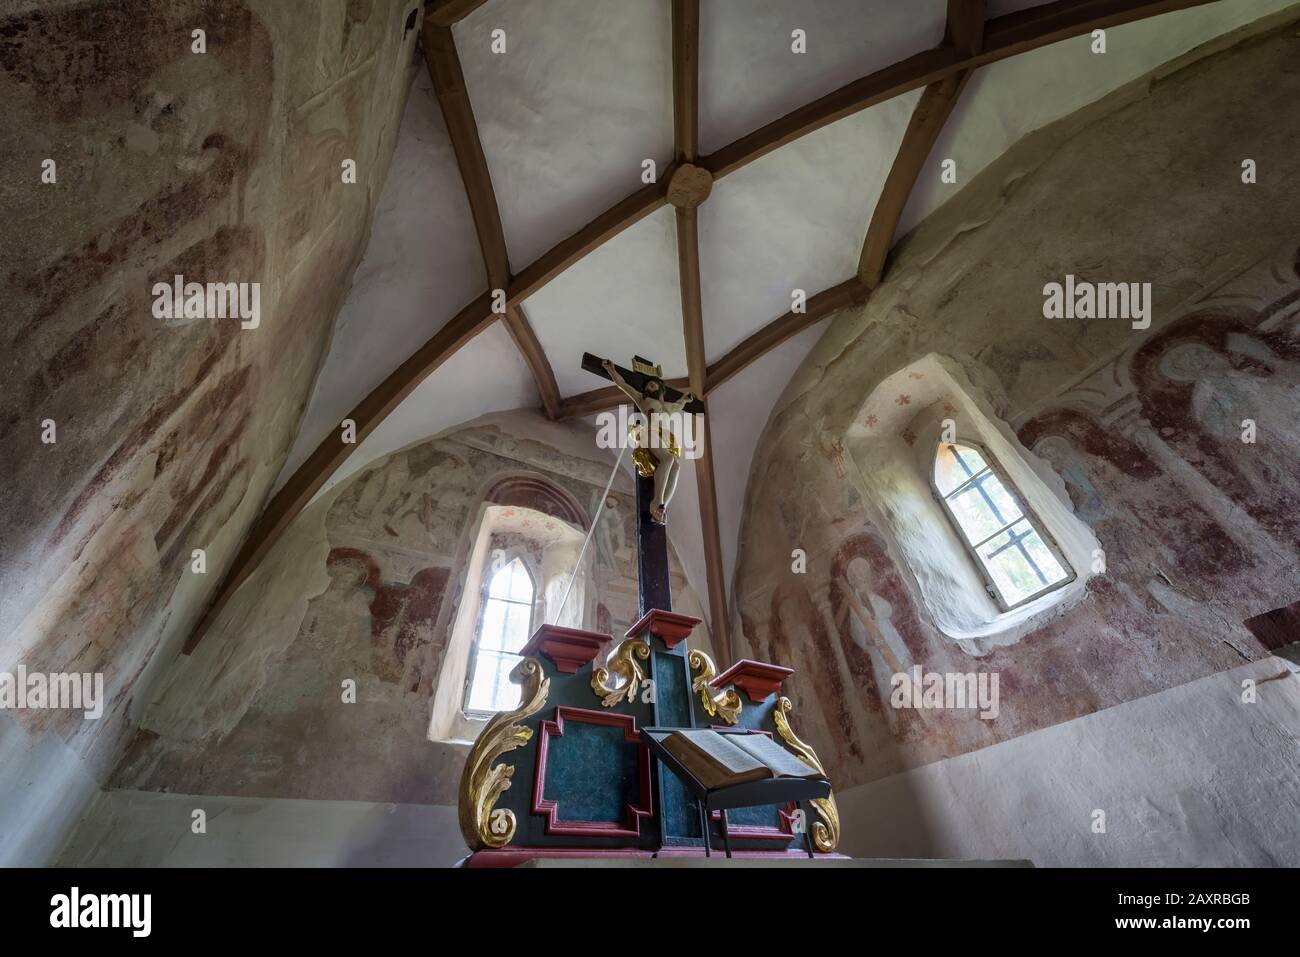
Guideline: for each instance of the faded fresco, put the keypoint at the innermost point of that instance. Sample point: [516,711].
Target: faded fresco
[220,166]
[366,586]
[1144,428]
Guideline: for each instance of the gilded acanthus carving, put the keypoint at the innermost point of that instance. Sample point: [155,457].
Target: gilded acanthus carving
[482,824]
[726,703]
[826,832]
[621,662]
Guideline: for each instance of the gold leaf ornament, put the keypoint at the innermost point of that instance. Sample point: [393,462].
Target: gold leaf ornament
[622,662]
[826,832]
[726,703]
[481,823]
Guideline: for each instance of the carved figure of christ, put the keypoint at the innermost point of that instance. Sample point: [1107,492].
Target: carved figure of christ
[654,485]
[658,453]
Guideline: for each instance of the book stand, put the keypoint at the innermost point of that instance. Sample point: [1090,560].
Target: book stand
[775,791]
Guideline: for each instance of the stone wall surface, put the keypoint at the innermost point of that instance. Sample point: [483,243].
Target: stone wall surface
[1139,430]
[223,166]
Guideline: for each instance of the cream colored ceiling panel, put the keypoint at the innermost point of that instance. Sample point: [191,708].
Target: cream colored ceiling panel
[581,95]
[750,73]
[795,219]
[622,299]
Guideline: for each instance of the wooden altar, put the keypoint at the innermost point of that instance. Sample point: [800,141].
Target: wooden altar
[567,774]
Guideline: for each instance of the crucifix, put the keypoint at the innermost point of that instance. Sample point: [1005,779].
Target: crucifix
[657,455]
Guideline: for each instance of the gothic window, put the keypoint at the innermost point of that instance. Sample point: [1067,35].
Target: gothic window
[1017,557]
[504,626]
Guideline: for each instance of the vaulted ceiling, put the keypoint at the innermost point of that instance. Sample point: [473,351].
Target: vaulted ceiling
[522,170]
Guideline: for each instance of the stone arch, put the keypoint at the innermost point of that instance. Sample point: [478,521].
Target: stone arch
[530,490]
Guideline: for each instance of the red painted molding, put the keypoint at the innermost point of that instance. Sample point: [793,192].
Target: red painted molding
[631,824]
[761,832]
[569,648]
[666,625]
[514,856]
[757,679]
[767,855]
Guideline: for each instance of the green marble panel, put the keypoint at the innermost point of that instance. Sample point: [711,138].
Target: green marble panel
[673,710]
[591,772]
[672,691]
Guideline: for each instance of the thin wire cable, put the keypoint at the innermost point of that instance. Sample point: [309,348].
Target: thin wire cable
[600,509]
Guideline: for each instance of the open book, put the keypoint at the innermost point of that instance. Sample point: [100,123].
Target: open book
[722,760]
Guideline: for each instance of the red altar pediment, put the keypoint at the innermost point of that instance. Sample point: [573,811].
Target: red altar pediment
[569,648]
[668,626]
[757,679]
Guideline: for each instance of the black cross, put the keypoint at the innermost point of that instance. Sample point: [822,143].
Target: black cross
[637,380]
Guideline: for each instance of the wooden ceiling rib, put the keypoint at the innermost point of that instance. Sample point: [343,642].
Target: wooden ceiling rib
[446,12]
[686,112]
[441,58]
[964,30]
[686,109]
[688,275]
[706,483]
[916,71]
[1003,37]
[534,356]
[964,33]
[817,308]
[1047,23]
[686,79]
[458,115]
[622,215]
[603,399]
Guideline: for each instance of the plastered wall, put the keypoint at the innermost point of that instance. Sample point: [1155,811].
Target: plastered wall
[1138,432]
[365,587]
[1189,777]
[221,166]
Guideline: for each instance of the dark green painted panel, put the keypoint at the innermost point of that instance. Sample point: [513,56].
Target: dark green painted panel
[760,816]
[673,704]
[672,692]
[591,771]
[681,819]
[572,691]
